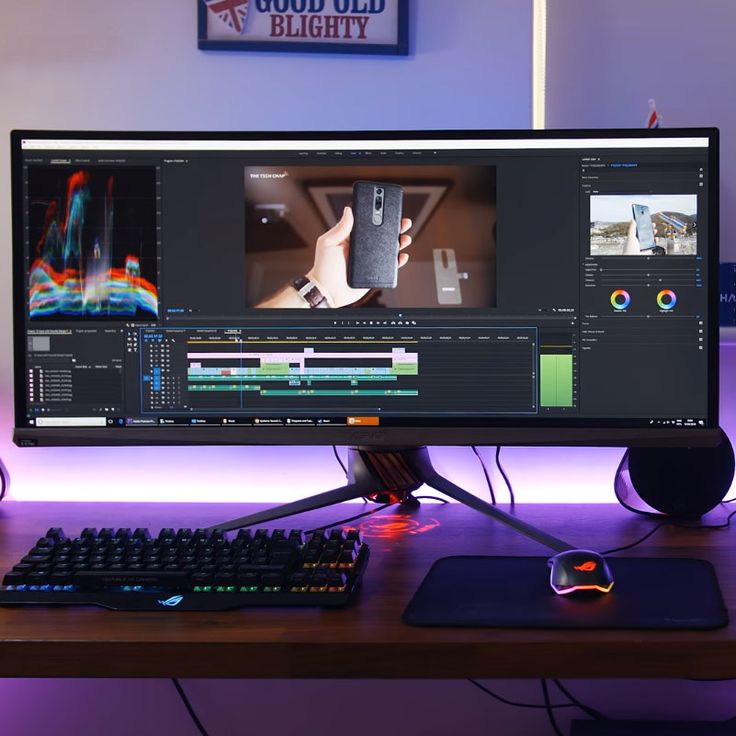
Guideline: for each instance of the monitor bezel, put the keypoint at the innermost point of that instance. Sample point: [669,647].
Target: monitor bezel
[544,432]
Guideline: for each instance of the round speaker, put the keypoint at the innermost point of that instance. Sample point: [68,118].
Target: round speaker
[680,482]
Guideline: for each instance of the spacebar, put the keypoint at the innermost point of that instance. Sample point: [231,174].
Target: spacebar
[106,578]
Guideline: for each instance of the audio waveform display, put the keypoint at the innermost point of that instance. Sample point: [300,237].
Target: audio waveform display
[95,243]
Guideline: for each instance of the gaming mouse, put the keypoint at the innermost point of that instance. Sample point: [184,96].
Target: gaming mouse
[579,569]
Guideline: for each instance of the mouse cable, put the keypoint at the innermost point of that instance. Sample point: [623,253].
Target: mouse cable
[184,699]
[485,473]
[515,703]
[704,527]
[588,710]
[548,708]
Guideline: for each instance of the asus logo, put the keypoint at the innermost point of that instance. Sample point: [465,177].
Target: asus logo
[588,566]
[175,600]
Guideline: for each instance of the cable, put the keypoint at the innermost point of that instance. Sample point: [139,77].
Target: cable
[638,541]
[503,474]
[431,498]
[514,703]
[592,712]
[550,710]
[188,706]
[485,473]
[723,525]
[339,460]
[350,518]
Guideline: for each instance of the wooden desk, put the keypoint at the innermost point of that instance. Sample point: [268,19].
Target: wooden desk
[368,638]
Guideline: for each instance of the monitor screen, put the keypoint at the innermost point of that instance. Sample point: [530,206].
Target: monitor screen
[365,288]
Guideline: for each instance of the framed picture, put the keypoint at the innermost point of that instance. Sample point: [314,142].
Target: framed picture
[322,26]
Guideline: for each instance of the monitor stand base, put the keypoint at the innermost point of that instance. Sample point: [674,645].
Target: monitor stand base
[390,475]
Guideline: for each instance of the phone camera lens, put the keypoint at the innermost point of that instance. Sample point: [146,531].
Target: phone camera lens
[379,191]
[379,202]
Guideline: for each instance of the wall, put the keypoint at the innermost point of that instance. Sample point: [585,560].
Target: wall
[135,65]
[605,59]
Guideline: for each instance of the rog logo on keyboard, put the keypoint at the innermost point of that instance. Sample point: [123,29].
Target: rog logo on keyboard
[175,600]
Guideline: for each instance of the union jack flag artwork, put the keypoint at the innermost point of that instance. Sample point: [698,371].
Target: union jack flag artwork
[232,12]
[653,119]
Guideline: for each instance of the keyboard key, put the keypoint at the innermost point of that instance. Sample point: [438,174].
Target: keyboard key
[200,578]
[347,558]
[248,578]
[37,578]
[60,578]
[14,577]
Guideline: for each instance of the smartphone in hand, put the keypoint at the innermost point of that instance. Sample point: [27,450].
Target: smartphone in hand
[644,229]
[374,240]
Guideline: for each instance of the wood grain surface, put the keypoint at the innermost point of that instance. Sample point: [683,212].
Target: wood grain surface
[366,639]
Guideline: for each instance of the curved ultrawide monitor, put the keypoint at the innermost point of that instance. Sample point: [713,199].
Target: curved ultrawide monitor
[383,288]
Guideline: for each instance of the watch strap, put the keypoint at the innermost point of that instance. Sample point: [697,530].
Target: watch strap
[310,292]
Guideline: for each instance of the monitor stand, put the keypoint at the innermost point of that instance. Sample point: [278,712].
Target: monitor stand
[391,474]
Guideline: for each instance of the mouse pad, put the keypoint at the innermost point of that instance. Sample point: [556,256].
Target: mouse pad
[514,592]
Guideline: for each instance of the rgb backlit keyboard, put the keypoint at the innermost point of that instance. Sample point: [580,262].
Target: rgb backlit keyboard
[189,569]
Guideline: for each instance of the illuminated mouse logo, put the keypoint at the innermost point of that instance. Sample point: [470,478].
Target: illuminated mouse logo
[588,566]
[175,600]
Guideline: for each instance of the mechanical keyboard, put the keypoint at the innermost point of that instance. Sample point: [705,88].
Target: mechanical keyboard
[189,569]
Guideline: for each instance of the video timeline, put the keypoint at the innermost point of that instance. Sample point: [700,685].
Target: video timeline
[342,372]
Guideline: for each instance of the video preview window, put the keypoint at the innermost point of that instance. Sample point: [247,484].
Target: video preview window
[452,255]
[92,234]
[643,225]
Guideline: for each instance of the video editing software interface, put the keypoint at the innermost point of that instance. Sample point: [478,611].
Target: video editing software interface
[550,281]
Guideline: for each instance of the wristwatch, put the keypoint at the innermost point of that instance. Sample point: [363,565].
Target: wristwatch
[310,292]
